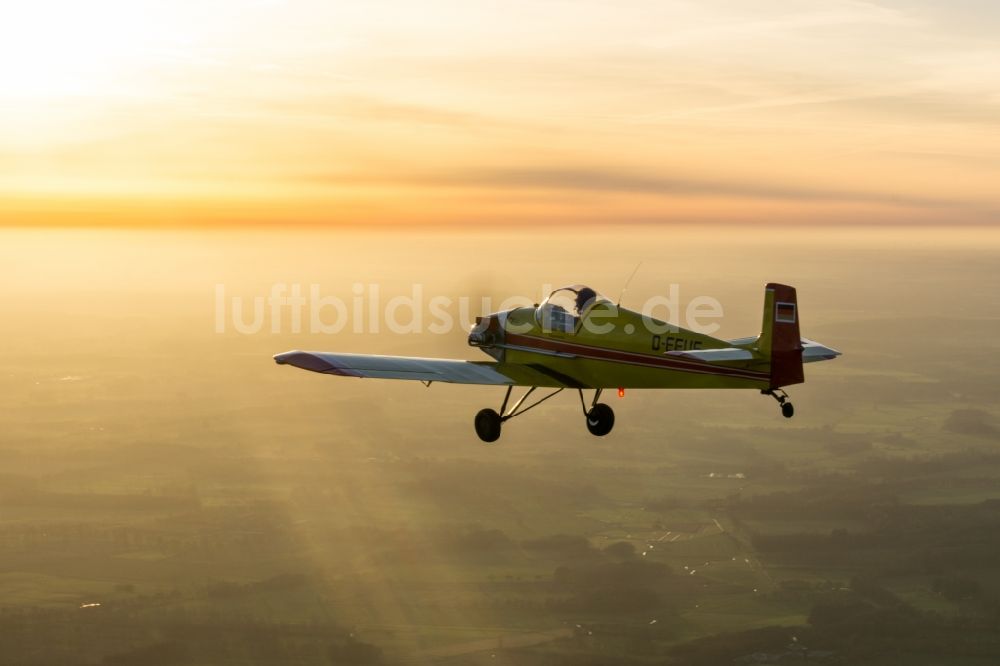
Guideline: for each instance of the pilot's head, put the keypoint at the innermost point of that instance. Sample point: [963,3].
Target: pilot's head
[584,297]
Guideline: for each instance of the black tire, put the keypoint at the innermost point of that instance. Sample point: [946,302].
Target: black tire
[488,425]
[787,410]
[600,420]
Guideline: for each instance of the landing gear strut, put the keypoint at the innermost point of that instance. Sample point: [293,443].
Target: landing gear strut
[489,422]
[787,409]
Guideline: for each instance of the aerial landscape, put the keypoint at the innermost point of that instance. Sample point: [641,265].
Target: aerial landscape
[181,200]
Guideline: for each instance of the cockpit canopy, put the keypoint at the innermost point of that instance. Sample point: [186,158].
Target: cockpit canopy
[564,307]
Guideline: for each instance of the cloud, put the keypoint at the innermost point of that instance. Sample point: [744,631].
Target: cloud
[723,30]
[977,163]
[597,180]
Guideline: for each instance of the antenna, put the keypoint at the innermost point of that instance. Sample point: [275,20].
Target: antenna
[627,283]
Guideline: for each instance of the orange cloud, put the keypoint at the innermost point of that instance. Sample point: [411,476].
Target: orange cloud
[311,112]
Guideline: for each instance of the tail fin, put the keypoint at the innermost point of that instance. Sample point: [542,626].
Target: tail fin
[779,339]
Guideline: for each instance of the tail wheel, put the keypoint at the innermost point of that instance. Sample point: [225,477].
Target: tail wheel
[779,394]
[600,420]
[488,425]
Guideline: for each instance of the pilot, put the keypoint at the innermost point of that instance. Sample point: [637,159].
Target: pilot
[583,298]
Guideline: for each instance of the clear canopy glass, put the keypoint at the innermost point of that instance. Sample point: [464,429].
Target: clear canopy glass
[563,308]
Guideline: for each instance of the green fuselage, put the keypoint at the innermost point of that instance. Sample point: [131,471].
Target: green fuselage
[611,347]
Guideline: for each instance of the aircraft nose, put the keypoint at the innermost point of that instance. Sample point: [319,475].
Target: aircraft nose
[479,338]
[486,332]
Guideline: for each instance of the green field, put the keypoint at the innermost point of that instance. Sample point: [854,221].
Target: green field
[169,496]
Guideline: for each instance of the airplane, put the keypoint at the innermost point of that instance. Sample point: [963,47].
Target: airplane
[578,339]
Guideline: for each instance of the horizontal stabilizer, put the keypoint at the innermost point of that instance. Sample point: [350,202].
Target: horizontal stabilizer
[814,351]
[715,355]
[811,350]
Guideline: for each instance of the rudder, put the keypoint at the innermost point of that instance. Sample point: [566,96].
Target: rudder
[779,339]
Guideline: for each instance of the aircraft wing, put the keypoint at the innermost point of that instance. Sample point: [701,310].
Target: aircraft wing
[396,367]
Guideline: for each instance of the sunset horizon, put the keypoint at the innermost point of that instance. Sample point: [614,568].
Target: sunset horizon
[155,114]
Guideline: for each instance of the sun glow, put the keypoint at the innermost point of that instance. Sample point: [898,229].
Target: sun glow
[356,112]
[52,49]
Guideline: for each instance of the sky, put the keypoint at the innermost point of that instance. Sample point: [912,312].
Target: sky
[500,112]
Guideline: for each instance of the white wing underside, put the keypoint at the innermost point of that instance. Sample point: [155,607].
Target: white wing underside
[395,367]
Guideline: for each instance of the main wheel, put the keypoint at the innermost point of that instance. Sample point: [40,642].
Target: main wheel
[488,425]
[787,410]
[600,420]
